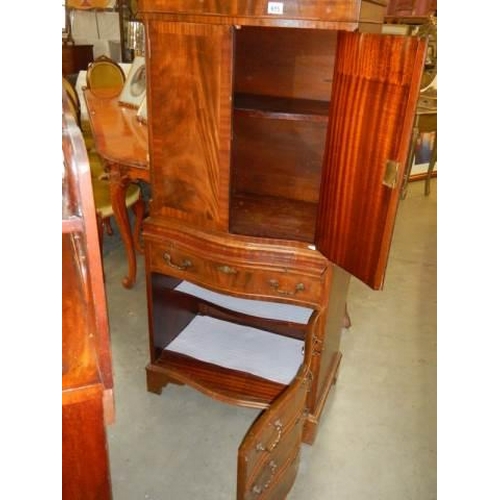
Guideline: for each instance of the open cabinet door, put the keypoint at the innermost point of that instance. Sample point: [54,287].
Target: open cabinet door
[374,97]
[268,457]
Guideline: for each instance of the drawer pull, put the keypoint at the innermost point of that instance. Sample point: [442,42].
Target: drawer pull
[258,490]
[279,428]
[227,269]
[185,263]
[299,287]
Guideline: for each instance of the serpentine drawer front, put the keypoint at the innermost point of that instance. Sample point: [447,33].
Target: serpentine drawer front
[249,274]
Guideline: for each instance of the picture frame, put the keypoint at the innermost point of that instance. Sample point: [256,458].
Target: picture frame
[134,89]
[142,112]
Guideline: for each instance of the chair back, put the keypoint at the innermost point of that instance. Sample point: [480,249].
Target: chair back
[74,101]
[104,73]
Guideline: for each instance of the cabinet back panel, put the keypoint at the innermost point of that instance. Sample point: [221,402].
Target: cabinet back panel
[295,63]
[281,158]
[272,217]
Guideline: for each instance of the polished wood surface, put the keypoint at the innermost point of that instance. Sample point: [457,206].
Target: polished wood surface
[269,454]
[191,128]
[318,14]
[87,382]
[282,87]
[242,105]
[373,105]
[268,457]
[119,136]
[237,265]
[122,142]
[85,467]
[262,128]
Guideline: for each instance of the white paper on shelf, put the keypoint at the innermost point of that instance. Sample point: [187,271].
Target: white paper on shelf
[259,308]
[238,347]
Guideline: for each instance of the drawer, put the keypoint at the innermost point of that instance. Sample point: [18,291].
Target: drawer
[250,277]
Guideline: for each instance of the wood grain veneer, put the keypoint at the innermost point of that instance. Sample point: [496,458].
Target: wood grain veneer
[270,136]
[87,382]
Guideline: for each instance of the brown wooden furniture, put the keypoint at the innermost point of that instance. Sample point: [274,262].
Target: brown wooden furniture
[100,181]
[87,382]
[278,139]
[76,58]
[122,142]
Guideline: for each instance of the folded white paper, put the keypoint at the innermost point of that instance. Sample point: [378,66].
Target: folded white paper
[259,308]
[238,347]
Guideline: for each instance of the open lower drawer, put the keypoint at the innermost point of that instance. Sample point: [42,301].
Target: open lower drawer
[245,352]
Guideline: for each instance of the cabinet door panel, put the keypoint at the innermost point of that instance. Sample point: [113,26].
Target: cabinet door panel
[374,96]
[268,457]
[190,92]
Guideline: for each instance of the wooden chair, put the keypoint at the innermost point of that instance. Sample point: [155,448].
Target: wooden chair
[100,182]
[104,73]
[73,100]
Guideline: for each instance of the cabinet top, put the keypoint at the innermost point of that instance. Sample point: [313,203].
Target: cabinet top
[317,14]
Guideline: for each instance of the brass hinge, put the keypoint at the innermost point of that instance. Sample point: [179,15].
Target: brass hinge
[391,174]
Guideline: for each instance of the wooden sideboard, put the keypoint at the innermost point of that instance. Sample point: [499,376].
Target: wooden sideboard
[76,58]
[278,135]
[87,382]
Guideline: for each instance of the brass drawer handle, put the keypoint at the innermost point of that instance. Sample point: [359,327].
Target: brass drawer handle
[185,263]
[257,490]
[279,428]
[227,269]
[299,287]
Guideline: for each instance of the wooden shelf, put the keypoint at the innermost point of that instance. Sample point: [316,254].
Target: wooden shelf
[281,108]
[273,217]
[231,386]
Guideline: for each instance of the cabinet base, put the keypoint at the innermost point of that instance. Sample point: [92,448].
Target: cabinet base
[313,419]
[222,384]
[157,379]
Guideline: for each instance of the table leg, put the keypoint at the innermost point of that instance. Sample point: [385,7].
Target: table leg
[409,163]
[118,185]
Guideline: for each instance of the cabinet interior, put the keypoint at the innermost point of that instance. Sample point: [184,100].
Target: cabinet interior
[282,87]
[175,309]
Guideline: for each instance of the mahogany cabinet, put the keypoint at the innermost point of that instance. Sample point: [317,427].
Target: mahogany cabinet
[87,384]
[278,133]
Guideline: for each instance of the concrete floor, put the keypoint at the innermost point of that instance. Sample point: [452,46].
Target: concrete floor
[377,438]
